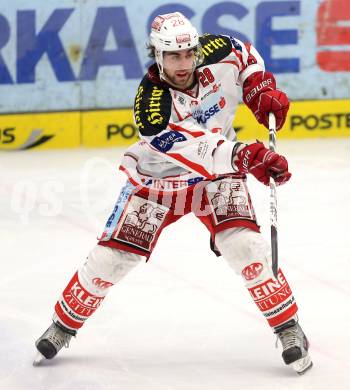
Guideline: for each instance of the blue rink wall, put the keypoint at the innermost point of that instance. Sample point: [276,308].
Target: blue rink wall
[69,58]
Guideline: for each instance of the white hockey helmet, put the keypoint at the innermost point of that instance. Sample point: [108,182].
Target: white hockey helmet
[172,32]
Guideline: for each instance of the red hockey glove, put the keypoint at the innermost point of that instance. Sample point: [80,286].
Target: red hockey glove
[261,96]
[262,163]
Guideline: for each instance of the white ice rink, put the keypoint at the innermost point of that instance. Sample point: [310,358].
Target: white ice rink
[184,320]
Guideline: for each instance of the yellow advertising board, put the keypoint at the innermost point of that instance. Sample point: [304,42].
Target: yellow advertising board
[40,131]
[108,128]
[103,128]
[306,119]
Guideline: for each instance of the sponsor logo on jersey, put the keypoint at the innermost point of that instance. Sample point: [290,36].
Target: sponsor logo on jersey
[154,116]
[212,45]
[203,116]
[252,271]
[101,283]
[214,89]
[181,100]
[162,184]
[137,110]
[202,149]
[222,102]
[166,141]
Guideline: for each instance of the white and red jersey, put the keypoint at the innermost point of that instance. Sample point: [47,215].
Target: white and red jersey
[187,136]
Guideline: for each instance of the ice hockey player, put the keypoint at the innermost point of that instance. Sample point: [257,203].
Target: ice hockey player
[188,160]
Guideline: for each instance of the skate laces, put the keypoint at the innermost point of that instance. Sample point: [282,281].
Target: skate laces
[57,337]
[290,337]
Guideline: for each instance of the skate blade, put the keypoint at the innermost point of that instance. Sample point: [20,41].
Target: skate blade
[302,365]
[38,359]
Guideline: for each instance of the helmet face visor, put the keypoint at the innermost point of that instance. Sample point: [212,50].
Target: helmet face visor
[179,60]
[199,55]
[182,59]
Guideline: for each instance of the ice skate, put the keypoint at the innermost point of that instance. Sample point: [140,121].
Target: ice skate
[51,342]
[295,346]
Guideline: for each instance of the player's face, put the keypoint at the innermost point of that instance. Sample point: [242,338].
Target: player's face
[179,67]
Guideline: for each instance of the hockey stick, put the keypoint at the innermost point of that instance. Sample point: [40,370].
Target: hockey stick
[273,198]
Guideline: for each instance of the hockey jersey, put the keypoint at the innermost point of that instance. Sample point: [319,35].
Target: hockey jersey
[187,136]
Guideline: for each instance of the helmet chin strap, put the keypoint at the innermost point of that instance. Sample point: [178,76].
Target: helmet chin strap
[159,61]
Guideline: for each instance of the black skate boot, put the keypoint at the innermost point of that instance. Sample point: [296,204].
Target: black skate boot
[295,346]
[52,341]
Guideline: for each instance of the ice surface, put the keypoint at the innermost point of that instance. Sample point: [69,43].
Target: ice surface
[184,320]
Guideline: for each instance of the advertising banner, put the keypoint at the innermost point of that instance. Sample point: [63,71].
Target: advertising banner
[309,119]
[40,131]
[109,128]
[116,128]
[61,55]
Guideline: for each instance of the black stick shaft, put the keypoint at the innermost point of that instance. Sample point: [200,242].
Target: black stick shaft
[273,199]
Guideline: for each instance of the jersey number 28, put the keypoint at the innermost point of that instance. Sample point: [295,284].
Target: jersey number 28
[206,77]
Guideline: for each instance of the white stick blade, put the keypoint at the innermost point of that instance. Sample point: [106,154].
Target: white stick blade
[38,359]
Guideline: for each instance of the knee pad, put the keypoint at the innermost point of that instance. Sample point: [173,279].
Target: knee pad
[105,267]
[247,252]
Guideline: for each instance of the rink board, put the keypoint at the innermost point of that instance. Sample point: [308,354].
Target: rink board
[40,131]
[307,119]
